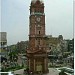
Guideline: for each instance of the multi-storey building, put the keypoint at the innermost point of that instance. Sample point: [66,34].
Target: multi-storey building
[3,43]
[53,42]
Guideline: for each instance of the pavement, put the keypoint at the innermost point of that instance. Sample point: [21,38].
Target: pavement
[52,71]
[20,72]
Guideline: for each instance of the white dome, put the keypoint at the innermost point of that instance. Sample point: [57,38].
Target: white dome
[36,0]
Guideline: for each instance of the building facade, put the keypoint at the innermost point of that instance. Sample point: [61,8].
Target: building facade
[37,53]
[3,43]
[53,43]
[71,45]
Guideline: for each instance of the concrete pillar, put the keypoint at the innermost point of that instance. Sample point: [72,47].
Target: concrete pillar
[29,64]
[34,64]
[45,62]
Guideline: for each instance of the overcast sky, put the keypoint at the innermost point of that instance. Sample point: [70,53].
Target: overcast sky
[15,19]
[0,15]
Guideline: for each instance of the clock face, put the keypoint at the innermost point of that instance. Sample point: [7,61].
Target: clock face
[38,19]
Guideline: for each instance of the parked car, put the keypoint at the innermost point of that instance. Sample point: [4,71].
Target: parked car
[65,71]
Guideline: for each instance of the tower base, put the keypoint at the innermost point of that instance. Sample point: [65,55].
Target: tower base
[38,63]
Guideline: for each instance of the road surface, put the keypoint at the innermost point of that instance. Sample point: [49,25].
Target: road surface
[52,71]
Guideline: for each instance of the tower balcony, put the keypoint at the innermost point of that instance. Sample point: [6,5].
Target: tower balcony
[36,49]
[37,35]
[37,13]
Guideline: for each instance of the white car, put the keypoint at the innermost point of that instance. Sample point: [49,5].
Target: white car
[66,70]
[9,73]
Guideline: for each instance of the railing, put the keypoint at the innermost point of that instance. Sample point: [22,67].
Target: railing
[37,35]
[9,73]
[39,49]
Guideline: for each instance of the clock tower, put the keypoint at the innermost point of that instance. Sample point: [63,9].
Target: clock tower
[37,53]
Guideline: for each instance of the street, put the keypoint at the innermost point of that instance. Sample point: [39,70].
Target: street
[52,71]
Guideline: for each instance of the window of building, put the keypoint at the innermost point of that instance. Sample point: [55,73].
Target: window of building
[39,32]
[39,42]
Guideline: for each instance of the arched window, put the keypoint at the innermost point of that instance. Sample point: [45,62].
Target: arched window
[39,32]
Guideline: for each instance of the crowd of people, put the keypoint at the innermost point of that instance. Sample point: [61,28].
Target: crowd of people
[28,72]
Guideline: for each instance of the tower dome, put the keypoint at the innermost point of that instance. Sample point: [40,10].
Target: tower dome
[33,1]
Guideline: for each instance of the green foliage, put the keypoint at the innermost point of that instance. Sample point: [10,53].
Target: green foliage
[12,56]
[62,73]
[55,66]
[12,68]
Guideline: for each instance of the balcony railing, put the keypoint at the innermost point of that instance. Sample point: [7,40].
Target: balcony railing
[33,50]
[37,35]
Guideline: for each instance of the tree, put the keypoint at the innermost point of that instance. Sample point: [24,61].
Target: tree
[21,46]
[13,56]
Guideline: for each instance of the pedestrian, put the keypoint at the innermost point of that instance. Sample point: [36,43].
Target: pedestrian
[31,73]
[27,70]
